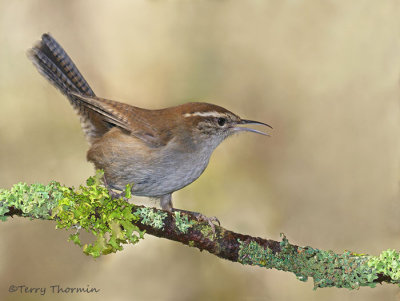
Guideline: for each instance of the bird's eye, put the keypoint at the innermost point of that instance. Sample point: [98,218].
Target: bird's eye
[221,121]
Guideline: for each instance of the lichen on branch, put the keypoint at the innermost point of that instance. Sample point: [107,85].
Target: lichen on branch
[115,222]
[90,208]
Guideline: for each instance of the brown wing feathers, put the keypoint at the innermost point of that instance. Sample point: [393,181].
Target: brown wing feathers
[105,108]
[97,115]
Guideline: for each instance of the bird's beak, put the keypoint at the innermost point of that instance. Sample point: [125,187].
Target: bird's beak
[244,129]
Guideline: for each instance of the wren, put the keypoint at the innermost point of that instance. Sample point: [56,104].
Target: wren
[156,151]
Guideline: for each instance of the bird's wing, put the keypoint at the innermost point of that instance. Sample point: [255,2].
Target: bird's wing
[104,114]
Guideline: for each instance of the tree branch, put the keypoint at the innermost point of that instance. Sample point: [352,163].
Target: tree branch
[116,222]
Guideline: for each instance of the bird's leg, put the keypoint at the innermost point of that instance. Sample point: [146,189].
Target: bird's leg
[166,204]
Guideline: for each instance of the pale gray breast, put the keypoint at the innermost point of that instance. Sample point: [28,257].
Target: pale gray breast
[171,170]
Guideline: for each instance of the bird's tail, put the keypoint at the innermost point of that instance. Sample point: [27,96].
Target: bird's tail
[54,64]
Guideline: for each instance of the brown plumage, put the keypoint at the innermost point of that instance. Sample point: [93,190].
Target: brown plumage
[157,151]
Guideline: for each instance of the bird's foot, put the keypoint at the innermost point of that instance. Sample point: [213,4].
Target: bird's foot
[112,193]
[117,195]
[202,218]
[212,220]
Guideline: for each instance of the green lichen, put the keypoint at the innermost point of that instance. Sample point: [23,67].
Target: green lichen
[34,200]
[91,208]
[151,217]
[207,232]
[327,268]
[182,223]
[111,221]
[88,207]
[387,263]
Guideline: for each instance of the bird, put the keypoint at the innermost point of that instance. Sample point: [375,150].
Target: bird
[157,152]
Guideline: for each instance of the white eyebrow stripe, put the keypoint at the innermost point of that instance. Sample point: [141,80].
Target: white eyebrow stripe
[204,114]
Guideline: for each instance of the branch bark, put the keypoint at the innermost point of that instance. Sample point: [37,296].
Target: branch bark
[58,203]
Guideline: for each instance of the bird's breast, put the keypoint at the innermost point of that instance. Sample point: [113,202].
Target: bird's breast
[152,171]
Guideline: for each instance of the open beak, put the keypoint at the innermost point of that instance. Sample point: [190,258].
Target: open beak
[244,129]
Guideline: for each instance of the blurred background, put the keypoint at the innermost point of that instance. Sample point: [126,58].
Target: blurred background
[324,74]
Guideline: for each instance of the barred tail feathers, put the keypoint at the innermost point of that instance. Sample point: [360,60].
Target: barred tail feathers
[57,67]
[54,64]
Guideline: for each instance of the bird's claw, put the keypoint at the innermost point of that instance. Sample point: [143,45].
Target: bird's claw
[116,195]
[112,193]
[210,220]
